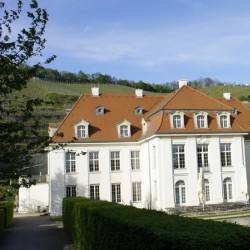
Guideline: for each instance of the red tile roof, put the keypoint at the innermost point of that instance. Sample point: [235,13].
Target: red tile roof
[103,128]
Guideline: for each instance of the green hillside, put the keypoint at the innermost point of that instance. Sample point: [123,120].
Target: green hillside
[66,94]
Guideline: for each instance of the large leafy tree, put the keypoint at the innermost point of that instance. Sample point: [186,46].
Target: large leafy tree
[19,137]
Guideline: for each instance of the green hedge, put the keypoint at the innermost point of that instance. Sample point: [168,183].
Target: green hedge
[75,218]
[8,207]
[2,219]
[103,225]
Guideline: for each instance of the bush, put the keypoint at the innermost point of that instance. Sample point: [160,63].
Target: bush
[8,207]
[103,225]
[2,219]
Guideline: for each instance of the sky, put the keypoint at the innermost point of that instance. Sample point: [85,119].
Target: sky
[156,41]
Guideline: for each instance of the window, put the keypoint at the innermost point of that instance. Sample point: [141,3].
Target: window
[123,131]
[94,192]
[201,121]
[180,193]
[177,121]
[93,161]
[227,189]
[136,189]
[138,111]
[81,131]
[116,192]
[178,156]
[100,110]
[70,162]
[223,121]
[115,160]
[70,191]
[202,155]
[135,160]
[225,152]
[207,190]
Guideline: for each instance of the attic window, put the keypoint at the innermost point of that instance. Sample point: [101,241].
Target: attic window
[177,120]
[81,129]
[223,120]
[138,111]
[100,110]
[124,129]
[200,120]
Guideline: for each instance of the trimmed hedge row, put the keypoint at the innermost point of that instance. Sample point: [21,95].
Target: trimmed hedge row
[75,218]
[108,226]
[6,214]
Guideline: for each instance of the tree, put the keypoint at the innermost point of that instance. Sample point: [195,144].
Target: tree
[19,136]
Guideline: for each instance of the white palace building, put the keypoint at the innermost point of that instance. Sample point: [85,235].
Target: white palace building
[148,151]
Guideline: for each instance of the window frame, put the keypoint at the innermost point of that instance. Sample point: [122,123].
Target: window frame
[207,190]
[135,160]
[227,189]
[178,156]
[70,162]
[94,191]
[180,193]
[115,162]
[223,120]
[124,129]
[84,124]
[226,154]
[116,192]
[202,156]
[136,191]
[71,191]
[94,161]
[81,131]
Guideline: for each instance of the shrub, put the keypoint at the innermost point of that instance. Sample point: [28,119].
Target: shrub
[8,207]
[2,219]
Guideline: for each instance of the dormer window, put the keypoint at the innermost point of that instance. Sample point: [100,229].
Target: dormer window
[223,120]
[100,110]
[200,120]
[177,120]
[138,111]
[124,129]
[82,129]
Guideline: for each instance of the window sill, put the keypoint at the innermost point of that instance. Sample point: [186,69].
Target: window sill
[71,173]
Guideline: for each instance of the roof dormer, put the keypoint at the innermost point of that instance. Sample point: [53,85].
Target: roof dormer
[177,120]
[223,120]
[200,120]
[138,110]
[124,129]
[99,110]
[81,129]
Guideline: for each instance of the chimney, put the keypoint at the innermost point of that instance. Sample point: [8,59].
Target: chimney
[227,96]
[139,93]
[95,91]
[182,82]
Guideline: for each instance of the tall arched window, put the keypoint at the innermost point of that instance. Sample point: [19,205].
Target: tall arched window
[180,193]
[207,190]
[227,189]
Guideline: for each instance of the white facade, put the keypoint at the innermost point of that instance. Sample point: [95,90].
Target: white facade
[156,174]
[34,199]
[152,159]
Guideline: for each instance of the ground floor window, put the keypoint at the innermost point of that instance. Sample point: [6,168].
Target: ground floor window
[116,192]
[94,192]
[180,193]
[207,190]
[70,191]
[227,189]
[136,189]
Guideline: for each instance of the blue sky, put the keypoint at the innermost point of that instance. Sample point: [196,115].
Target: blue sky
[155,41]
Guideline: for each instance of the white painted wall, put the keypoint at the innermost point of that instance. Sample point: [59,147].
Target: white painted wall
[31,198]
[157,174]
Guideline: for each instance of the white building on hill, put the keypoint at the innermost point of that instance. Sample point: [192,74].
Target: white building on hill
[148,151]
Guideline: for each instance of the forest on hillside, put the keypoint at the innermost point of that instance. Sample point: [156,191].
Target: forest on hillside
[49,74]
